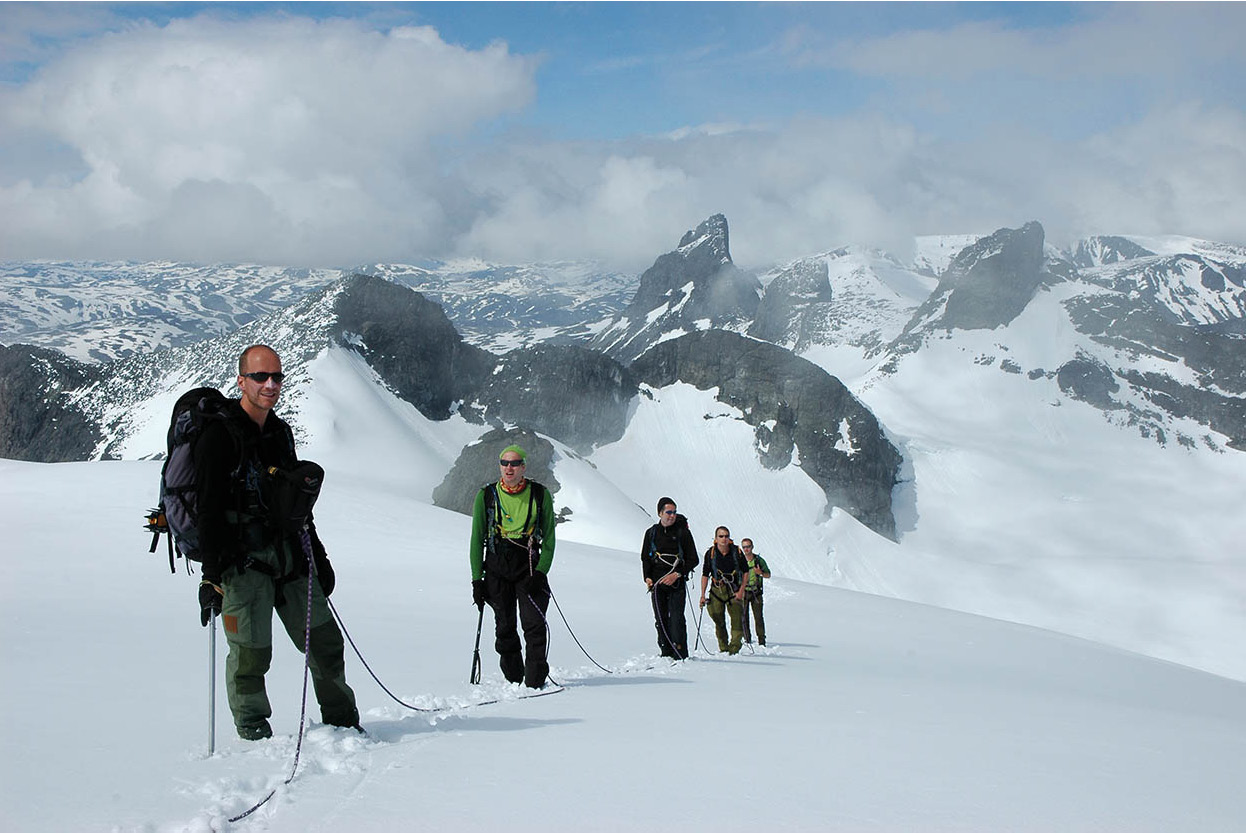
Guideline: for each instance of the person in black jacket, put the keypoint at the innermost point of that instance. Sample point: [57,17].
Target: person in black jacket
[251,567]
[668,556]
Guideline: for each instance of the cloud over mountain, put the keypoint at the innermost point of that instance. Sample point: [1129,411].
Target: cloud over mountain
[331,142]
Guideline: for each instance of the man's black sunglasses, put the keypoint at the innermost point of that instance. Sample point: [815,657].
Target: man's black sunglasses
[505,462]
[263,376]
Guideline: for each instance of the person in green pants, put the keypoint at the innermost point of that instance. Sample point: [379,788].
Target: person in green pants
[758,571]
[251,567]
[723,572]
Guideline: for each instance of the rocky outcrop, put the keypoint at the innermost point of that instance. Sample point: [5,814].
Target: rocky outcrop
[796,408]
[692,288]
[790,305]
[38,418]
[477,465]
[985,286]
[410,343]
[1214,353]
[575,394]
[1089,380]
[989,283]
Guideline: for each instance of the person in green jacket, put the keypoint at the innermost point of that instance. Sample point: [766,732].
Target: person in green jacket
[511,549]
[758,571]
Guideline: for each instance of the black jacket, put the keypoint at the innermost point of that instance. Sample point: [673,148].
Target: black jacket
[665,548]
[730,568]
[220,490]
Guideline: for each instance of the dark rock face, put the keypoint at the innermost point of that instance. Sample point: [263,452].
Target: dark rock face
[477,465]
[409,341]
[790,303]
[696,282]
[841,444]
[1162,284]
[1215,353]
[578,395]
[1086,379]
[985,286]
[38,420]
[989,283]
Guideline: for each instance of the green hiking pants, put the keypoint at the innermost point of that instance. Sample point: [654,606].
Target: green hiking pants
[721,604]
[247,609]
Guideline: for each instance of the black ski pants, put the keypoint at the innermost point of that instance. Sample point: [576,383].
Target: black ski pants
[668,615]
[505,597]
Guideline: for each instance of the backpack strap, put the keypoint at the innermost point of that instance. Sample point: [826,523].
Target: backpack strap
[536,493]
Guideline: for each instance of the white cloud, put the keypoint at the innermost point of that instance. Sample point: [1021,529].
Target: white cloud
[323,129]
[287,140]
[1154,40]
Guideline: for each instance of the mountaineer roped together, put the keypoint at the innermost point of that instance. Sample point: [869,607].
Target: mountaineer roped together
[252,565]
[511,550]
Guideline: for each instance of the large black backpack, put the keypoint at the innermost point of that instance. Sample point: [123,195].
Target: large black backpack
[178,514]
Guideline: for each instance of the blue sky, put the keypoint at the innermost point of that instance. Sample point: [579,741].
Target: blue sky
[339,133]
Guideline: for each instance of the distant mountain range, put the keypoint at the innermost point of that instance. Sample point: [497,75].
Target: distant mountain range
[914,395]
[1156,326]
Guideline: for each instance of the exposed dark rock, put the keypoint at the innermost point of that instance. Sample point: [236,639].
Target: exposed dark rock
[410,343]
[989,283]
[790,302]
[477,465]
[696,283]
[793,404]
[1089,380]
[575,394]
[985,286]
[38,419]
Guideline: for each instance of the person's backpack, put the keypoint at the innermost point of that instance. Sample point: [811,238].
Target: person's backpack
[177,514]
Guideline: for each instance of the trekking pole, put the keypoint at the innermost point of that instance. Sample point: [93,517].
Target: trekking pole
[698,612]
[475,678]
[744,617]
[212,684]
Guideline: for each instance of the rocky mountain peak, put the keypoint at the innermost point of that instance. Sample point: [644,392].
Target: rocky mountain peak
[690,288]
[711,235]
[988,284]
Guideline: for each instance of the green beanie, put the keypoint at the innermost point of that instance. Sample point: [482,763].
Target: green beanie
[517,450]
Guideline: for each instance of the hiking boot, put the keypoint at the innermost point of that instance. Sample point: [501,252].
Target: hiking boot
[255,732]
[512,667]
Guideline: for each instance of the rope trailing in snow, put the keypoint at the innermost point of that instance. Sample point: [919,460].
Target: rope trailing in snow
[403,703]
[359,654]
[569,631]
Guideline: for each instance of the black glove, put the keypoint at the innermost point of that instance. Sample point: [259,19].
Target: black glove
[209,601]
[536,585]
[479,595]
[324,573]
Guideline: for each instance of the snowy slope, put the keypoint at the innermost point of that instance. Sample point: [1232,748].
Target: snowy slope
[865,713]
[1025,504]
